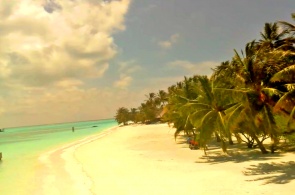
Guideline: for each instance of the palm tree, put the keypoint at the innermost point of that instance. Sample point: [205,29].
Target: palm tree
[133,112]
[176,115]
[271,37]
[255,70]
[122,116]
[162,98]
[208,112]
[178,96]
[286,103]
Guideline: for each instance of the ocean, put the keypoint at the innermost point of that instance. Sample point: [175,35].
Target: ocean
[21,147]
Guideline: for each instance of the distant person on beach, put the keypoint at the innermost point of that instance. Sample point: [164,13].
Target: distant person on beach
[73,129]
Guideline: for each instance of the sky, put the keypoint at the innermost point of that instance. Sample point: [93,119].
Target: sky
[79,60]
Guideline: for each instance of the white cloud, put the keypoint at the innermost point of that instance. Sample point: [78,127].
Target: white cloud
[69,83]
[123,82]
[73,39]
[49,50]
[169,43]
[126,69]
[201,68]
[129,66]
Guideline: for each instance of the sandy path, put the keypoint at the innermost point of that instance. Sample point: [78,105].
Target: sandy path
[146,160]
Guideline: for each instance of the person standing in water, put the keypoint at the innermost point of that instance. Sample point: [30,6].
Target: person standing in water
[73,129]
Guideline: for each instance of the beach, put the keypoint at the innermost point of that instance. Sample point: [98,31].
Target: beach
[31,154]
[146,159]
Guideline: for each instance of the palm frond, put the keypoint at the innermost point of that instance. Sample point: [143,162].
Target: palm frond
[264,37]
[233,114]
[207,127]
[186,122]
[197,117]
[182,99]
[291,121]
[231,109]
[230,95]
[229,105]
[240,90]
[239,58]
[222,126]
[206,87]
[285,75]
[286,103]
[288,26]
[197,106]
[290,86]
[272,92]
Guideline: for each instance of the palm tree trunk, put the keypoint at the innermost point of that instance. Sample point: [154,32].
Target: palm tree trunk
[230,141]
[253,130]
[260,145]
[218,139]
[238,137]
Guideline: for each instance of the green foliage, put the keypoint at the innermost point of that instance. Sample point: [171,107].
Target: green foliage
[247,96]
[286,75]
[122,115]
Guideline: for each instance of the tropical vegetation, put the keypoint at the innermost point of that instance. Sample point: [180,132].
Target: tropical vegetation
[249,98]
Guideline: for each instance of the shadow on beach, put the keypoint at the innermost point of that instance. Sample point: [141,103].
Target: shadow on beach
[216,157]
[236,153]
[272,173]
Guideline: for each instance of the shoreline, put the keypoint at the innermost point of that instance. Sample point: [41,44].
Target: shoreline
[145,159]
[58,167]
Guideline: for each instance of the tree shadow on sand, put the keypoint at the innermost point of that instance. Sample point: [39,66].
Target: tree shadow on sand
[235,153]
[269,172]
[238,157]
[277,173]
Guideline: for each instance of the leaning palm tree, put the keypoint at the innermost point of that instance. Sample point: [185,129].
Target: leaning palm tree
[208,112]
[256,70]
[286,104]
[178,96]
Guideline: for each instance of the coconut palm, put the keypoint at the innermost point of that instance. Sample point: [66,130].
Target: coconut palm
[162,98]
[208,112]
[271,37]
[178,96]
[256,69]
[122,115]
[132,115]
[286,103]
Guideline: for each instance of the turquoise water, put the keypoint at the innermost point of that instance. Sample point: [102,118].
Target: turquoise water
[21,147]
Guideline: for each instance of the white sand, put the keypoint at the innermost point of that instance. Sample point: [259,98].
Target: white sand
[145,159]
